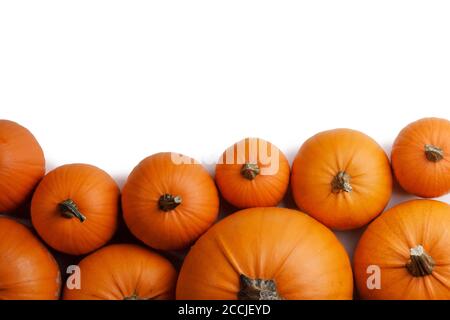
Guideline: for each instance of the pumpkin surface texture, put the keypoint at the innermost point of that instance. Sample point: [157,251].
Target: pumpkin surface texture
[27,269]
[410,243]
[22,165]
[253,173]
[169,201]
[342,178]
[75,208]
[267,254]
[421,157]
[124,272]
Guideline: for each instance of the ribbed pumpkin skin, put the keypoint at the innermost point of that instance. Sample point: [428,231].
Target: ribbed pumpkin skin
[266,189]
[318,162]
[121,272]
[97,197]
[387,243]
[414,172]
[27,269]
[22,165]
[303,257]
[156,176]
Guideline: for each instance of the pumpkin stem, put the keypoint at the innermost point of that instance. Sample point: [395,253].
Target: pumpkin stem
[341,182]
[134,297]
[258,290]
[421,264]
[250,171]
[169,202]
[69,210]
[433,153]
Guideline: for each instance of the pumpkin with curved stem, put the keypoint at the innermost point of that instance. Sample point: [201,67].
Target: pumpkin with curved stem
[410,244]
[169,201]
[22,165]
[421,157]
[27,270]
[75,208]
[342,178]
[253,173]
[124,272]
[267,254]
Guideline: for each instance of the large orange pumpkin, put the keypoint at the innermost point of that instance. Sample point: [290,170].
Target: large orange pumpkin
[421,157]
[405,253]
[342,178]
[169,201]
[124,272]
[253,173]
[75,208]
[267,254]
[22,165]
[27,270]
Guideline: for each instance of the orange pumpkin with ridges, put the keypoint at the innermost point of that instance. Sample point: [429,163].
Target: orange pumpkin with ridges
[169,201]
[421,157]
[253,173]
[408,249]
[75,208]
[22,165]
[27,269]
[267,254]
[124,272]
[342,178]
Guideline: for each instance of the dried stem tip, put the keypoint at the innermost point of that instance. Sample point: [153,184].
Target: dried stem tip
[420,264]
[258,290]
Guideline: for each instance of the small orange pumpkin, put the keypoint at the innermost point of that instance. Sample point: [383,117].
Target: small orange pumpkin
[169,201]
[22,165]
[342,178]
[421,157]
[267,254]
[253,173]
[124,272]
[27,270]
[405,254]
[75,208]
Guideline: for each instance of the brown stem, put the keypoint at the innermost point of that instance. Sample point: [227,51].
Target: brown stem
[169,202]
[69,209]
[250,171]
[433,153]
[341,182]
[134,297]
[420,264]
[258,290]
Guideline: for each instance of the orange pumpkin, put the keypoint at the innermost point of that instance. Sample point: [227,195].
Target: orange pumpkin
[27,270]
[169,201]
[267,254]
[253,173]
[22,165]
[410,247]
[124,272]
[342,178]
[75,208]
[421,157]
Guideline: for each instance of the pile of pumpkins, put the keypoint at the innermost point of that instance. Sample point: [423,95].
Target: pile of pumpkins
[340,180]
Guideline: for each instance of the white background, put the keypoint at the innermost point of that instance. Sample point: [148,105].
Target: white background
[111,82]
